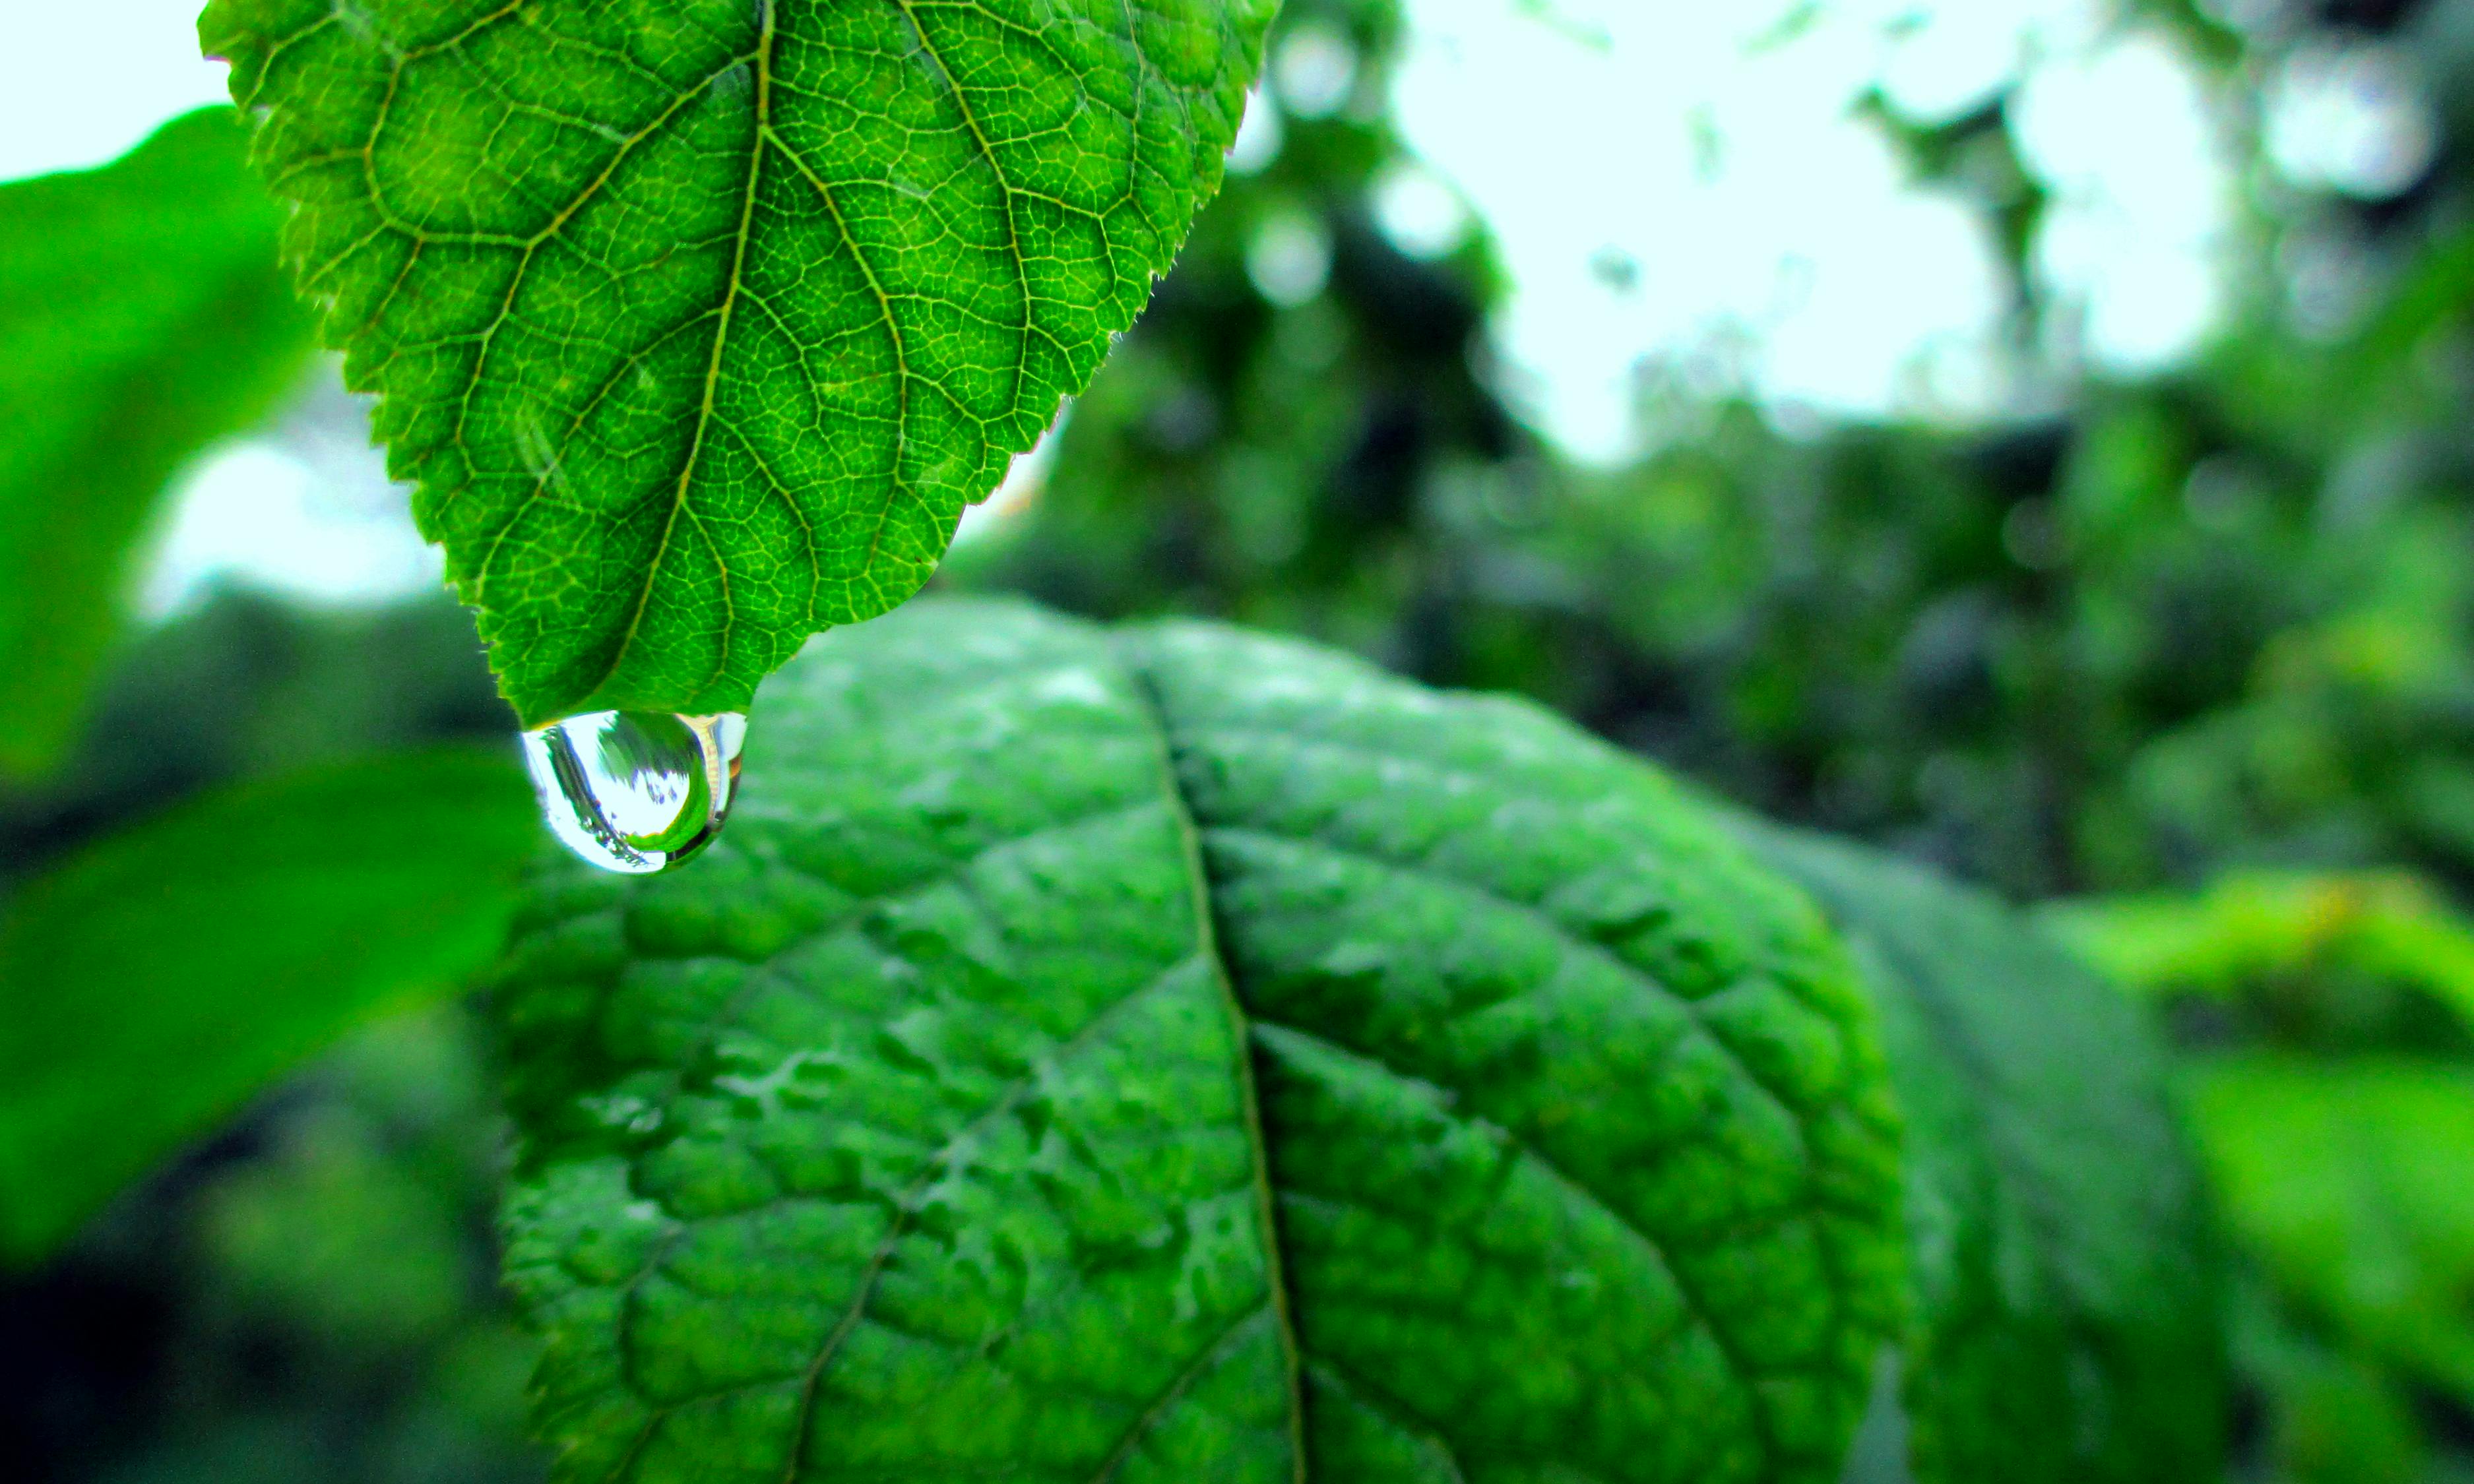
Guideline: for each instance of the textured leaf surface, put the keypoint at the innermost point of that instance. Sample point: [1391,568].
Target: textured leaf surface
[2067,1323]
[142,314]
[1169,1056]
[151,983]
[699,321]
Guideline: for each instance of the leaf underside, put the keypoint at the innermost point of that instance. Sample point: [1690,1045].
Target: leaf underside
[1163,1055]
[2069,1324]
[698,322]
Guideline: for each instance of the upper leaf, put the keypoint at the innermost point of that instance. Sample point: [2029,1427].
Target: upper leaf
[698,322]
[1170,1057]
[2067,1323]
[141,317]
[152,981]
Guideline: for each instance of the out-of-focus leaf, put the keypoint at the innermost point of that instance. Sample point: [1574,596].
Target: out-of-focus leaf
[699,323]
[152,983]
[2070,1304]
[2353,1183]
[335,1239]
[2254,927]
[2333,1416]
[142,314]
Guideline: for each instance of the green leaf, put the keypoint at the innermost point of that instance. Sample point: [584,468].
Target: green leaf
[2258,927]
[699,322]
[142,316]
[2067,1323]
[2353,1184]
[153,982]
[2333,1416]
[1172,1056]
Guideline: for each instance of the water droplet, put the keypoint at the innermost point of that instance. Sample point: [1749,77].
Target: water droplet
[637,791]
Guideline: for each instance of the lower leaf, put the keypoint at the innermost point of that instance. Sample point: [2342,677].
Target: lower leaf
[1169,1055]
[2068,1322]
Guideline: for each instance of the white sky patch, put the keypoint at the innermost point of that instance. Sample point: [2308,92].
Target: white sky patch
[2350,117]
[304,509]
[1289,257]
[1024,478]
[1258,135]
[1668,182]
[1418,212]
[2136,239]
[84,82]
[1952,61]
[1313,70]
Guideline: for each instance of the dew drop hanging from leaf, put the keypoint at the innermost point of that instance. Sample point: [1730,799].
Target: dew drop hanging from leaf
[637,791]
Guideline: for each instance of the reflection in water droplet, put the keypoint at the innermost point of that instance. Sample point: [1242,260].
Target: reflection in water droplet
[637,791]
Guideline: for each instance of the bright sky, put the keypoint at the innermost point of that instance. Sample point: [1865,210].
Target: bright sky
[1671,182]
[81,80]
[1672,179]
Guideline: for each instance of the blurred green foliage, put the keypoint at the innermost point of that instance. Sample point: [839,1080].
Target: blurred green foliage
[2219,619]
[308,1300]
[2326,958]
[141,316]
[245,686]
[2354,1185]
[2195,652]
[237,934]
[2330,1026]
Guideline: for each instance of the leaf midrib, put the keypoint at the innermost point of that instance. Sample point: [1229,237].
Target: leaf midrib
[905,1203]
[1206,952]
[765,135]
[530,247]
[763,64]
[1698,1312]
[1206,917]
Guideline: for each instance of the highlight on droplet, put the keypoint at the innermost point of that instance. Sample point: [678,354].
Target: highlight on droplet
[637,792]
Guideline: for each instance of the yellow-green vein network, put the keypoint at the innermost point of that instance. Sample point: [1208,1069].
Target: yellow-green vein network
[698,322]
